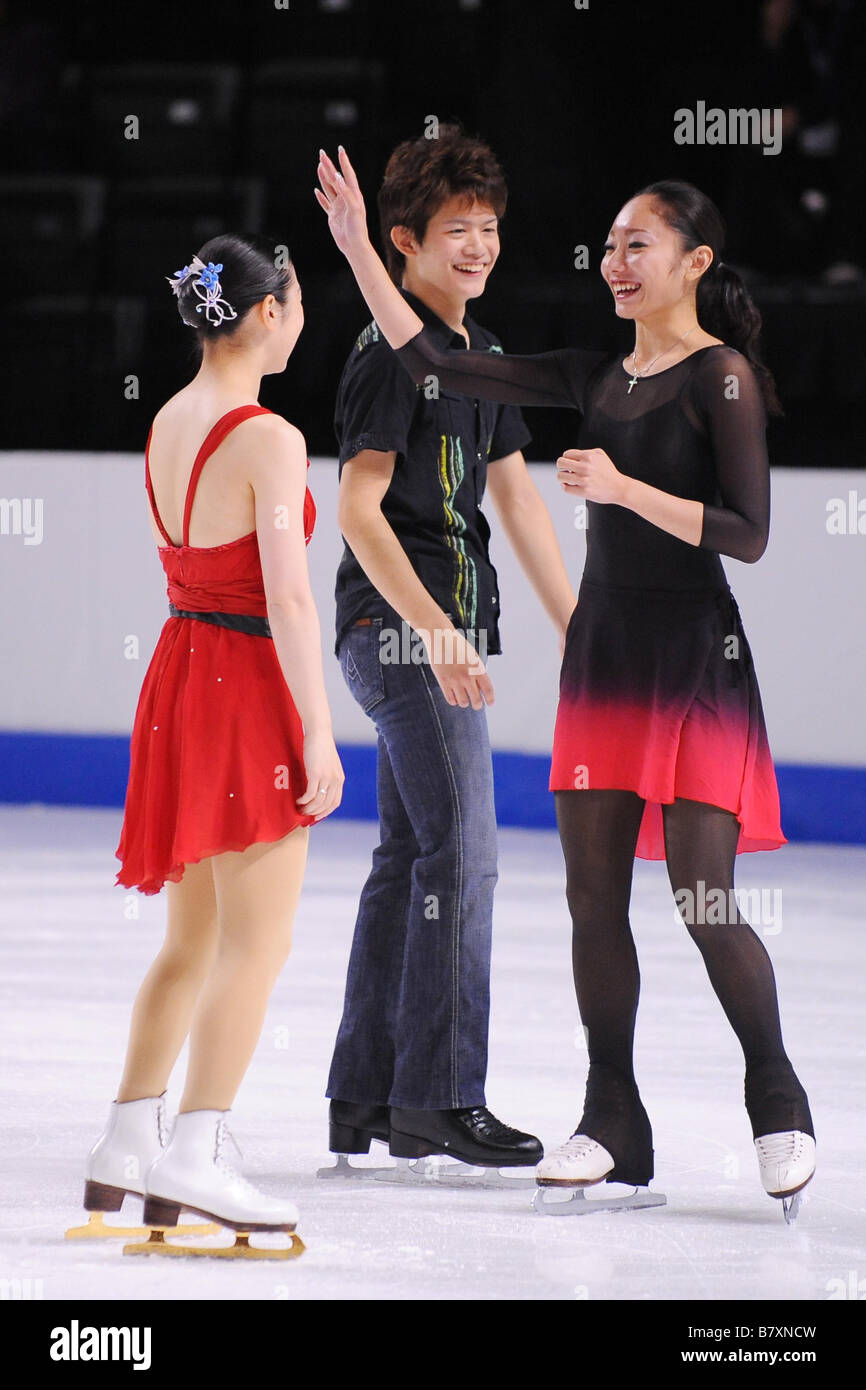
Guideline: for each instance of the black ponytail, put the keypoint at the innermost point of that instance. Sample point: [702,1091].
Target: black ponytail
[249,273]
[724,306]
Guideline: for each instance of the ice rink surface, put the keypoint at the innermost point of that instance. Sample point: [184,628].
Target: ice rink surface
[73,953]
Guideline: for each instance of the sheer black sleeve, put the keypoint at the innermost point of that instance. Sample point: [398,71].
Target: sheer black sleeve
[545,378]
[728,399]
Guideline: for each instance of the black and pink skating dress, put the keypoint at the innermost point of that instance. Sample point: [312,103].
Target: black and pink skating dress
[658,693]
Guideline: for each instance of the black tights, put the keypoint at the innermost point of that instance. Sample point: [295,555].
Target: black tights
[599,830]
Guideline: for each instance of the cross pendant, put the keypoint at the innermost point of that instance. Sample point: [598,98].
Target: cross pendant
[632,382]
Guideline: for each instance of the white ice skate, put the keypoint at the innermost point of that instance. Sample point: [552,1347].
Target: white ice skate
[787,1163]
[579,1163]
[133,1137]
[194,1173]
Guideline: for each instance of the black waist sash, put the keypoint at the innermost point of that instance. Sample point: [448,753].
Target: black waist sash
[235,622]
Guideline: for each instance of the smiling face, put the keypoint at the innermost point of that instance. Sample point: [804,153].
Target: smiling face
[459,250]
[644,263]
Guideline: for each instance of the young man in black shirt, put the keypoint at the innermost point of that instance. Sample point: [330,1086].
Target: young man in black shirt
[417,617]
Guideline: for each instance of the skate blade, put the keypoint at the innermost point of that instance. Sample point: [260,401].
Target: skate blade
[157,1244]
[793,1201]
[97,1228]
[343,1168]
[578,1204]
[444,1172]
[792,1205]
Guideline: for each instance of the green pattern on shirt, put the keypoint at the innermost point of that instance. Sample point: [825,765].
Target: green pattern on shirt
[451,474]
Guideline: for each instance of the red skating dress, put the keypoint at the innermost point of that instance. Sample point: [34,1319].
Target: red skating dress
[658,693]
[216,755]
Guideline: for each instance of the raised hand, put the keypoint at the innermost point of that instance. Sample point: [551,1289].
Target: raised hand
[340,196]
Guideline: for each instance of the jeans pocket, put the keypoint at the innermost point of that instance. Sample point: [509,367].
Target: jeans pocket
[361,664]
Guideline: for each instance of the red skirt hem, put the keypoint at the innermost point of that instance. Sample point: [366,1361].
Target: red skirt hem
[651,839]
[151,883]
[658,696]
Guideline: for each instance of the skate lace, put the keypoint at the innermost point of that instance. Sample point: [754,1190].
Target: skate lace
[578,1146]
[482,1121]
[224,1136]
[161,1127]
[775,1148]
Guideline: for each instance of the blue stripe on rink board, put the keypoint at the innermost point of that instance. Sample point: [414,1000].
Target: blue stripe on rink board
[818,803]
[64,769]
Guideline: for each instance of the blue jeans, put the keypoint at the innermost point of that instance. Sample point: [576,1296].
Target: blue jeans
[415,1017]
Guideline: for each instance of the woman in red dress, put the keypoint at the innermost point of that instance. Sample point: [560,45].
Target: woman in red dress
[232,752]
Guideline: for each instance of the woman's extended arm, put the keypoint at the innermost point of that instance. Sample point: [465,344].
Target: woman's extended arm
[550,378]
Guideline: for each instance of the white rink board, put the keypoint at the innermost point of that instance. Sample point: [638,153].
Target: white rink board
[95,579]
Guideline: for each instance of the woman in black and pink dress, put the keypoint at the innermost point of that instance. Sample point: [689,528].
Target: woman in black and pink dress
[660,748]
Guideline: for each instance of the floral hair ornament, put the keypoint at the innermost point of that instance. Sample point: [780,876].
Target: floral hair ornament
[207,286]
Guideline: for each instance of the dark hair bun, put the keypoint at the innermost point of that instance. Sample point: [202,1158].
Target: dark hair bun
[235,272]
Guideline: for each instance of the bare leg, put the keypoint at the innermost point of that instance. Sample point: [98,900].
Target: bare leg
[164,1006]
[257,893]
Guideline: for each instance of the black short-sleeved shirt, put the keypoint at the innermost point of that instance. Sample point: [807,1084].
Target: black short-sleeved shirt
[443,441]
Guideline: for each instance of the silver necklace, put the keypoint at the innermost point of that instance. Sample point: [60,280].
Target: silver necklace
[633,381]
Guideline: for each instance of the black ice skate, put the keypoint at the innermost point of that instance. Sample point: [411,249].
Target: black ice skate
[352,1129]
[465,1147]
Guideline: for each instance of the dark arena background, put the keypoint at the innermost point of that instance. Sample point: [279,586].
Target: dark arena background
[233,101]
[130,133]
